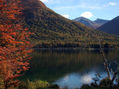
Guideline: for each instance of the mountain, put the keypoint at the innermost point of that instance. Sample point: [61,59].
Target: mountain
[86,22]
[92,24]
[51,29]
[111,26]
[101,21]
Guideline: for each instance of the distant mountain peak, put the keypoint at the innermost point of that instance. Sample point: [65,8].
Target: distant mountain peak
[111,26]
[81,18]
[92,24]
[101,21]
[86,22]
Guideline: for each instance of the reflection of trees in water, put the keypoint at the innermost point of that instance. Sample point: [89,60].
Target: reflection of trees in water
[51,65]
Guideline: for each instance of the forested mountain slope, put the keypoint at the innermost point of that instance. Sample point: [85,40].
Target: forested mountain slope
[50,28]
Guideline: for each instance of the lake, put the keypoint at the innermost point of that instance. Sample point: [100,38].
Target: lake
[69,67]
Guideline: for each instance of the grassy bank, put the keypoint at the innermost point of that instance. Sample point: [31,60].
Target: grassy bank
[37,85]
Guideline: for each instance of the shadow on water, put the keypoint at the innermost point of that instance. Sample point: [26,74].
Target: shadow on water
[68,67]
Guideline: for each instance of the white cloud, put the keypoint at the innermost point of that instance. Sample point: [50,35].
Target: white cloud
[112,3]
[66,16]
[87,14]
[44,0]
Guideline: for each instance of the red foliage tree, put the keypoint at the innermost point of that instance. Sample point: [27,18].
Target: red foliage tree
[14,43]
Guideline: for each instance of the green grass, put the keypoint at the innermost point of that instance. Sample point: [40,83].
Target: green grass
[36,85]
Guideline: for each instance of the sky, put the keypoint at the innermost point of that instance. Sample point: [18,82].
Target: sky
[91,9]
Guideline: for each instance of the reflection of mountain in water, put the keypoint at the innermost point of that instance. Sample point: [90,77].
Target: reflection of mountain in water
[53,65]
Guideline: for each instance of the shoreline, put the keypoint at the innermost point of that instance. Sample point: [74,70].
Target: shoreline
[76,48]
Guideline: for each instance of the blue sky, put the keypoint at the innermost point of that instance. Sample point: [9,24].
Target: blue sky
[92,9]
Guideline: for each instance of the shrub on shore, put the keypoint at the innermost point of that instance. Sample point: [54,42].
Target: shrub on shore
[37,85]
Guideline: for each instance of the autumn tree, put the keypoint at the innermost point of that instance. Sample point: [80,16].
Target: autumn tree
[14,44]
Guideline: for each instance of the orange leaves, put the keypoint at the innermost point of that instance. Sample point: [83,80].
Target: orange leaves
[2,58]
[14,44]
[24,68]
[13,33]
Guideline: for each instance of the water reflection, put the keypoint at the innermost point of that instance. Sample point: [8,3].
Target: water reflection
[71,81]
[68,67]
[86,79]
[76,80]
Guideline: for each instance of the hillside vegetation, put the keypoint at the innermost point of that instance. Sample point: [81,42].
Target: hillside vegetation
[52,30]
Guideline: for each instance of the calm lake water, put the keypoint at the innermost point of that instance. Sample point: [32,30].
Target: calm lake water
[70,68]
